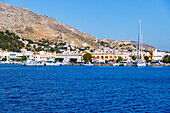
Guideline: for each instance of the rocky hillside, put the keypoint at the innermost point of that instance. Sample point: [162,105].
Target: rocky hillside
[144,46]
[126,44]
[30,25]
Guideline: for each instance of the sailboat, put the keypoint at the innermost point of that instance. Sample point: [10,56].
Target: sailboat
[139,63]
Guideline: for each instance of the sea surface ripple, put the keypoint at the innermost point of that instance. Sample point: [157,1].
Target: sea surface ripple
[84,89]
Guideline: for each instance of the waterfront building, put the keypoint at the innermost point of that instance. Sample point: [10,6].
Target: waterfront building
[128,55]
[108,56]
[43,56]
[14,55]
[67,57]
[10,55]
[155,55]
[5,54]
[97,60]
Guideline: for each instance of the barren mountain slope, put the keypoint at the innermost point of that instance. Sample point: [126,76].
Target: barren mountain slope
[30,25]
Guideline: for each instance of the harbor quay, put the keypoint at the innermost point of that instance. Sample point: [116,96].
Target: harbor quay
[116,58]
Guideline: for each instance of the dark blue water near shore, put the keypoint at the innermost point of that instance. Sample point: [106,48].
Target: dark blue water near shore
[84,89]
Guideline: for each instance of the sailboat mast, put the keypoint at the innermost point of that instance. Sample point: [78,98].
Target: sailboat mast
[139,36]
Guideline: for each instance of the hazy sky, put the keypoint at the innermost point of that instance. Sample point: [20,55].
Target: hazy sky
[109,19]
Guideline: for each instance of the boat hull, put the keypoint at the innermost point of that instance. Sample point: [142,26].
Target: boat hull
[140,64]
[115,64]
[57,64]
[28,64]
[88,64]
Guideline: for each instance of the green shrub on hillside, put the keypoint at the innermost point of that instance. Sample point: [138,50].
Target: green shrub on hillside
[10,42]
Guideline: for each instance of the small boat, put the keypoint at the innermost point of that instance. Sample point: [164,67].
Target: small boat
[115,64]
[57,64]
[40,63]
[31,63]
[5,62]
[123,63]
[15,62]
[140,64]
[49,63]
[64,63]
[88,64]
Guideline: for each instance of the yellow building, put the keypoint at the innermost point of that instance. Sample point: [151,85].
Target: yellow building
[108,56]
[155,55]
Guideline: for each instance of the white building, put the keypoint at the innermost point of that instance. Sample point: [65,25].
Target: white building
[124,42]
[32,45]
[67,57]
[155,55]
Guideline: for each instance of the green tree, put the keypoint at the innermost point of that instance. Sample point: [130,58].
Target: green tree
[4,59]
[24,58]
[10,43]
[51,50]
[146,58]
[73,59]
[34,46]
[57,50]
[91,50]
[59,59]
[87,57]
[165,59]
[119,59]
[7,32]
[19,59]
[39,49]
[134,57]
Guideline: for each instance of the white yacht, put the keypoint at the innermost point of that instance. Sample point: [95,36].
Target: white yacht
[139,63]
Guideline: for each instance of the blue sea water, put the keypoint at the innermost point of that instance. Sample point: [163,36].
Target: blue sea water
[84,89]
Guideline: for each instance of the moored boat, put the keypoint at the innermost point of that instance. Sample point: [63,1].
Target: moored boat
[40,63]
[88,64]
[49,62]
[57,64]
[139,63]
[32,63]
[123,63]
[115,64]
